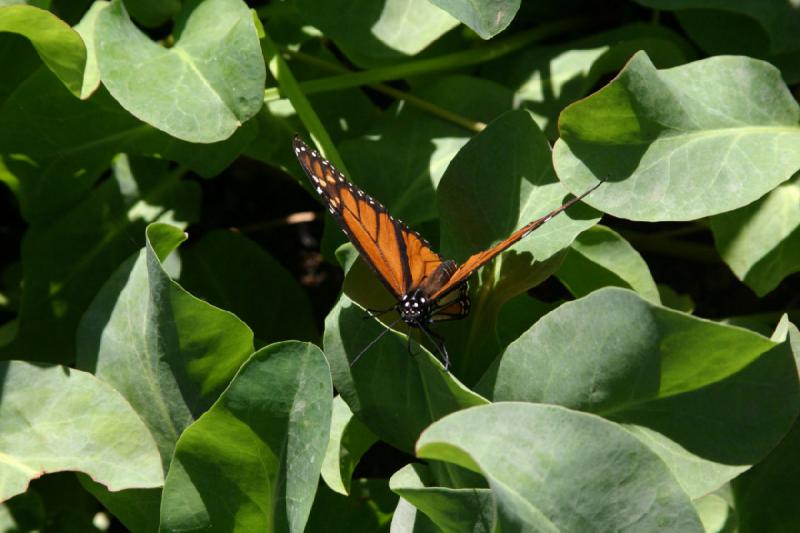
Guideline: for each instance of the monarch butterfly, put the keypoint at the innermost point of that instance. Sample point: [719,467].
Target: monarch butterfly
[426,287]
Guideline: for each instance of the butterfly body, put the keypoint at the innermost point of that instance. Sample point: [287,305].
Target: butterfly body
[426,288]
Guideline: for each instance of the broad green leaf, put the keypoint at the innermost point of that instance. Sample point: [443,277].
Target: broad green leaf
[371,33]
[55,147]
[487,19]
[402,158]
[665,373]
[54,419]
[780,20]
[252,462]
[601,257]
[66,260]
[59,46]
[545,79]
[761,242]
[395,394]
[681,143]
[766,495]
[349,440]
[368,509]
[455,510]
[200,90]
[166,351]
[561,470]
[230,271]
[499,181]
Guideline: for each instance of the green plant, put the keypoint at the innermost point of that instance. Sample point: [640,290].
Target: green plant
[630,365]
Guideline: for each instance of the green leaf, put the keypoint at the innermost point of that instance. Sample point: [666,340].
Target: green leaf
[487,19]
[166,351]
[478,212]
[200,90]
[59,46]
[368,509]
[234,273]
[349,440]
[761,242]
[252,462]
[561,470]
[545,79]
[665,372]
[54,419]
[468,509]
[153,13]
[681,143]
[372,33]
[601,257]
[766,494]
[66,260]
[396,395]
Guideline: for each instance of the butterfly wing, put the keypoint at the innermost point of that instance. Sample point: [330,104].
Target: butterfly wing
[453,308]
[479,259]
[399,256]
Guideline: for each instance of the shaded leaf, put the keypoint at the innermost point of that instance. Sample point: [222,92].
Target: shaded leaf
[252,461]
[233,273]
[55,147]
[561,470]
[761,241]
[681,143]
[780,20]
[66,260]
[54,419]
[200,90]
[367,510]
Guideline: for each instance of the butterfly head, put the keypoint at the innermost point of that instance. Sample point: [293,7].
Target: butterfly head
[415,308]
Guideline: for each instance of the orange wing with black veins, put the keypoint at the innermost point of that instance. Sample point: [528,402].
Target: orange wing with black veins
[399,256]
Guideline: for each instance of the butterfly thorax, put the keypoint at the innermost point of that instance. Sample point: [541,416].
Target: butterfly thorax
[415,308]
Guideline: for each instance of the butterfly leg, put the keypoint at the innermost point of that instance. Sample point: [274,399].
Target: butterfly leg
[438,341]
[372,313]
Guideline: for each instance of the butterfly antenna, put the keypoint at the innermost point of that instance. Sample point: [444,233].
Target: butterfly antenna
[371,344]
[572,202]
[439,343]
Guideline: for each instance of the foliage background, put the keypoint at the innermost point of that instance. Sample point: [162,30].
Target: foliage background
[177,314]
